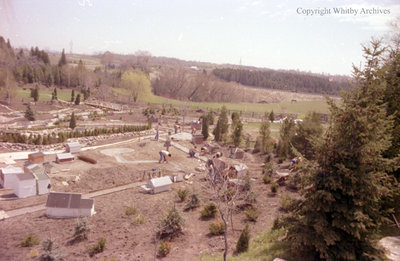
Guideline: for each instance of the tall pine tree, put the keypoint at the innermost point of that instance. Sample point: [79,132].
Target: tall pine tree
[221,130]
[341,205]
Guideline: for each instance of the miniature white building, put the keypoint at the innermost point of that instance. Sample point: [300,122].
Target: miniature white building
[8,176]
[63,157]
[68,205]
[241,170]
[158,185]
[73,147]
[25,185]
[42,179]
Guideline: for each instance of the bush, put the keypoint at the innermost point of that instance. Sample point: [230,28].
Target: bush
[82,228]
[267,179]
[251,213]
[217,228]
[268,168]
[172,223]
[50,251]
[33,254]
[244,239]
[209,211]
[98,247]
[30,240]
[294,181]
[130,211]
[164,248]
[287,202]
[274,187]
[193,203]
[251,198]
[182,193]
[140,219]
[247,183]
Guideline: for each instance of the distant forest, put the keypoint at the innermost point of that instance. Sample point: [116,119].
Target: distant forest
[287,81]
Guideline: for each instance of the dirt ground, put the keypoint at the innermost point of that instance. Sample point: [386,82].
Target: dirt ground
[127,240]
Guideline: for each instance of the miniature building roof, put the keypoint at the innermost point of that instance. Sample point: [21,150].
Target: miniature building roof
[64,155]
[30,165]
[67,200]
[37,154]
[73,144]
[158,182]
[25,176]
[240,167]
[11,170]
[39,173]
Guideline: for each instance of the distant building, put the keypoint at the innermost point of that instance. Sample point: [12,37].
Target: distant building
[37,157]
[158,185]
[73,147]
[42,179]
[64,157]
[8,176]
[25,185]
[68,205]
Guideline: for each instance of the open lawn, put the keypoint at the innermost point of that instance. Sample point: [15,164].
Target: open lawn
[301,107]
[45,95]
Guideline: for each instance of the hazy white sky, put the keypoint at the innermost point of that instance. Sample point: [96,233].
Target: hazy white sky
[304,35]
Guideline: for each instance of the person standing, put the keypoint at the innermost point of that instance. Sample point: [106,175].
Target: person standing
[163,155]
[168,141]
[157,132]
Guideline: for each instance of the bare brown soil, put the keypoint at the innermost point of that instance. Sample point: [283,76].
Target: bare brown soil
[127,240]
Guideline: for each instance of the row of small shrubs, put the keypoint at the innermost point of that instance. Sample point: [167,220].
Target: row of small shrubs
[53,138]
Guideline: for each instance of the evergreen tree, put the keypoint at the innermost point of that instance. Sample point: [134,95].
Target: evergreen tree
[72,122]
[307,132]
[210,117]
[341,205]
[204,127]
[263,141]
[55,94]
[392,99]
[63,59]
[72,95]
[78,99]
[244,240]
[237,133]
[272,116]
[35,94]
[29,114]
[222,127]
[286,134]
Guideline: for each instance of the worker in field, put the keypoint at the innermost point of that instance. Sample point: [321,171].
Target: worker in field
[167,143]
[157,132]
[163,156]
[192,152]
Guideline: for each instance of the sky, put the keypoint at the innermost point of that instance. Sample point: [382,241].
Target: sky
[278,34]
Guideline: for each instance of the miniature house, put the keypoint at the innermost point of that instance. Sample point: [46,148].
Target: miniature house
[8,176]
[68,205]
[37,157]
[73,147]
[158,185]
[197,139]
[25,185]
[42,180]
[241,170]
[64,157]
[236,153]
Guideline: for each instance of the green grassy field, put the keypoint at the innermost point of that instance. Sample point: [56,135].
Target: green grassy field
[301,108]
[262,247]
[45,95]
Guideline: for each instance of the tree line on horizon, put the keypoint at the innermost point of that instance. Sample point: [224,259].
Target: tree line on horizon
[286,81]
